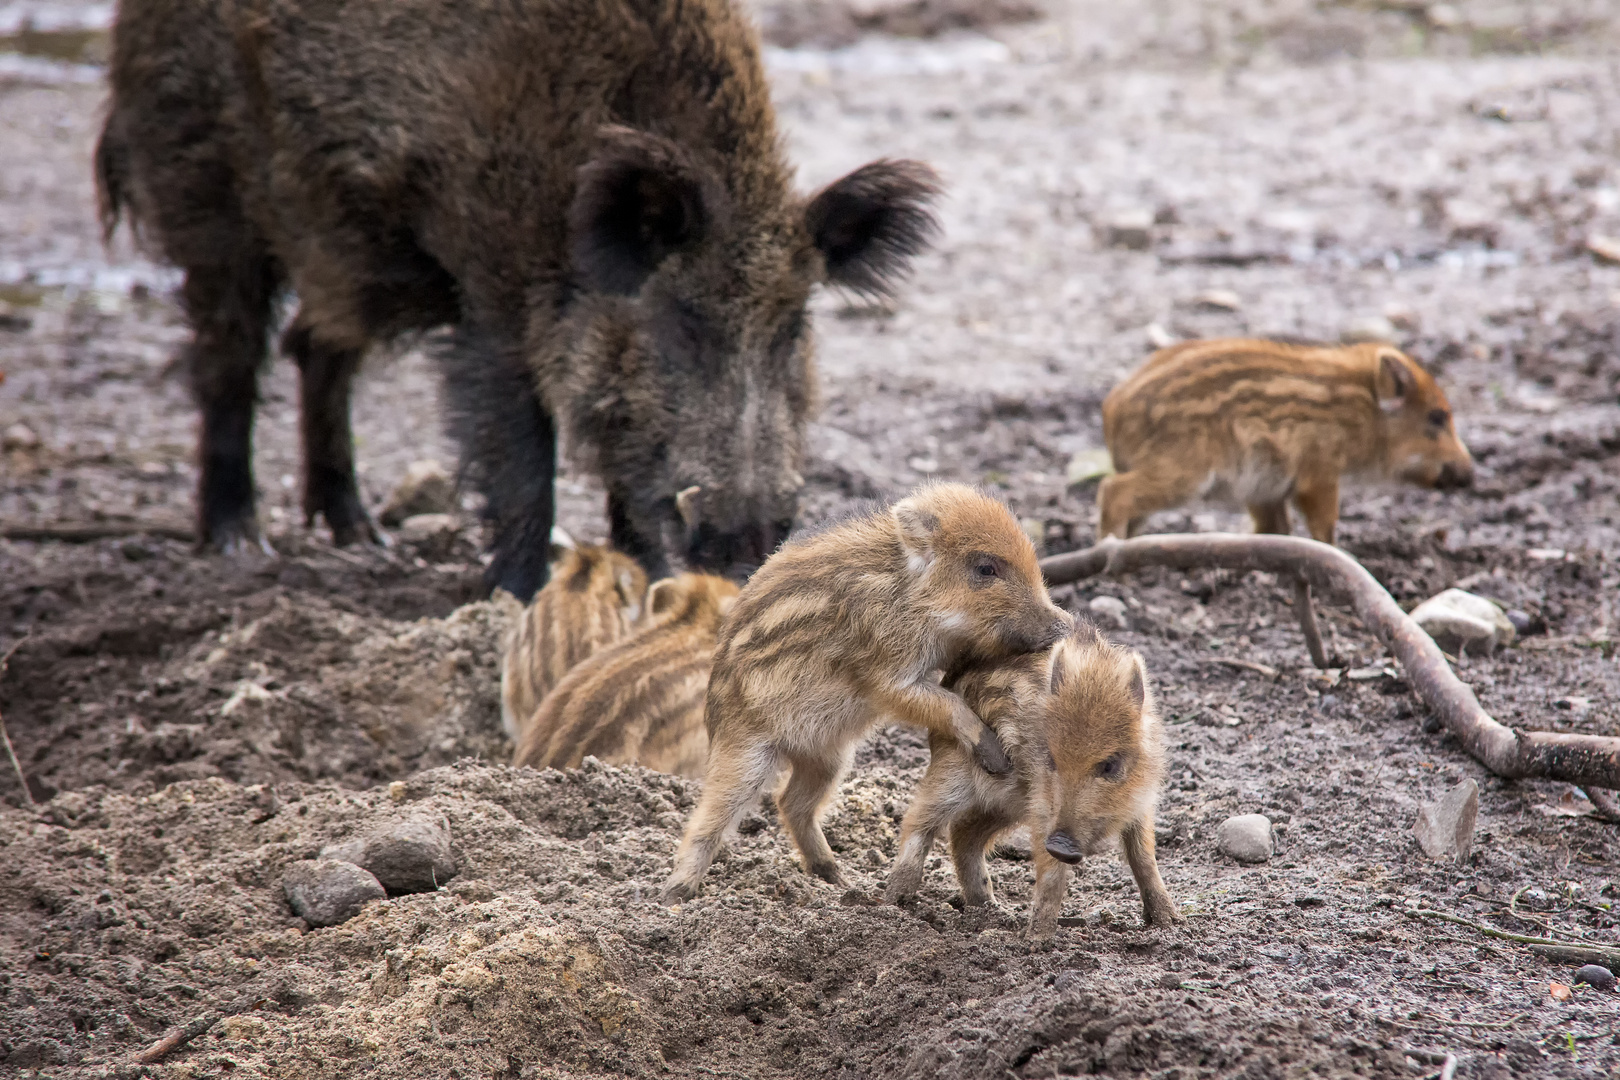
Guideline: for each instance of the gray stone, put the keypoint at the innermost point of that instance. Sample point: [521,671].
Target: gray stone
[1129,229]
[1595,975]
[1370,328]
[413,856]
[1461,622]
[426,489]
[325,892]
[19,436]
[1109,611]
[433,534]
[1445,830]
[1245,837]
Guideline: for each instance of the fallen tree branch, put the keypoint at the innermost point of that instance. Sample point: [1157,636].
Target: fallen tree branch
[1576,759]
[1604,803]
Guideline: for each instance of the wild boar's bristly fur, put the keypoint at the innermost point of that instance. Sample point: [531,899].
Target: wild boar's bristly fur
[592,193]
[595,598]
[639,702]
[1083,733]
[1268,423]
[846,628]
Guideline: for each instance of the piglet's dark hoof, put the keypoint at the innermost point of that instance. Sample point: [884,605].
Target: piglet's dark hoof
[991,755]
[827,872]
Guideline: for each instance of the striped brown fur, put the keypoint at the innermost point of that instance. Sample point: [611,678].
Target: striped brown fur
[848,628]
[1084,737]
[1268,423]
[640,701]
[595,597]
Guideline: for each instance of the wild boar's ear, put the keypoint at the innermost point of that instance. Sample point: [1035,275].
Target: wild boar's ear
[1393,381]
[869,224]
[640,199]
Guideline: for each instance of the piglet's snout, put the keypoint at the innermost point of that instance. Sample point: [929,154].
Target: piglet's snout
[1061,846]
[1454,476]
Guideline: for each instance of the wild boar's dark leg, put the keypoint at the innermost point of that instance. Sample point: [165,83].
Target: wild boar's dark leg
[229,311]
[325,378]
[509,449]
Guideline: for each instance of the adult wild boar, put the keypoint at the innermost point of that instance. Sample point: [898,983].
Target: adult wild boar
[592,192]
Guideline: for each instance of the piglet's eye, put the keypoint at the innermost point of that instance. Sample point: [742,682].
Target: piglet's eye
[1439,417]
[986,568]
[1112,767]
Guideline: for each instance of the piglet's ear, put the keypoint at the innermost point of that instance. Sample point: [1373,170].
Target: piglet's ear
[870,224]
[917,528]
[663,596]
[640,199]
[1394,380]
[1138,688]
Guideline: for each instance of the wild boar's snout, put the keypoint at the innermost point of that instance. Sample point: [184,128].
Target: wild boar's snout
[1061,846]
[733,548]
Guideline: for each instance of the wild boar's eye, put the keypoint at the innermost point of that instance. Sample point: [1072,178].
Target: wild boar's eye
[1112,767]
[1439,417]
[985,569]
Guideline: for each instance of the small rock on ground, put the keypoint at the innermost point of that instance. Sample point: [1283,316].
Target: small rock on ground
[1245,837]
[1595,975]
[1109,611]
[411,857]
[1445,830]
[1459,621]
[426,489]
[325,892]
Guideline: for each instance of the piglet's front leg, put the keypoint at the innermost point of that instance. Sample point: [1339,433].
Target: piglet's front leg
[1051,885]
[1157,907]
[943,713]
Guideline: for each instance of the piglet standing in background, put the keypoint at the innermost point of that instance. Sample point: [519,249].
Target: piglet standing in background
[1267,423]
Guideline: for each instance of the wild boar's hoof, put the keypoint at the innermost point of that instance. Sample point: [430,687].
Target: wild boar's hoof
[1061,846]
[991,755]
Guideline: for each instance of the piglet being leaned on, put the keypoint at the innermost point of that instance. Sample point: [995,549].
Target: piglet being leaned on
[1267,424]
[1083,734]
[849,628]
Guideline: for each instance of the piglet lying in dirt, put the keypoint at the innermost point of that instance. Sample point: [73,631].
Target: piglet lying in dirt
[1084,738]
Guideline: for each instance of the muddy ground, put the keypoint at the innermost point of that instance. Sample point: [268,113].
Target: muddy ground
[188,726]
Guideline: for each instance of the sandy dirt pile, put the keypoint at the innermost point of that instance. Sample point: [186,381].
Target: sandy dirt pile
[1440,175]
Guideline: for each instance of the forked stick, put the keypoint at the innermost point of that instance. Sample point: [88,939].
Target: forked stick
[1576,759]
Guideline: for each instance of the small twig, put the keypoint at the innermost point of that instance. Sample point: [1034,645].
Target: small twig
[177,1038]
[1449,1069]
[5,662]
[1459,1024]
[1513,910]
[86,532]
[1306,612]
[1609,957]
[1247,665]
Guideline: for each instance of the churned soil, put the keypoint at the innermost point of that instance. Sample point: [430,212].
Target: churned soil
[188,726]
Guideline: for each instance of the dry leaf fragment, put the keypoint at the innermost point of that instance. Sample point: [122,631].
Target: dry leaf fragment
[1559,991]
